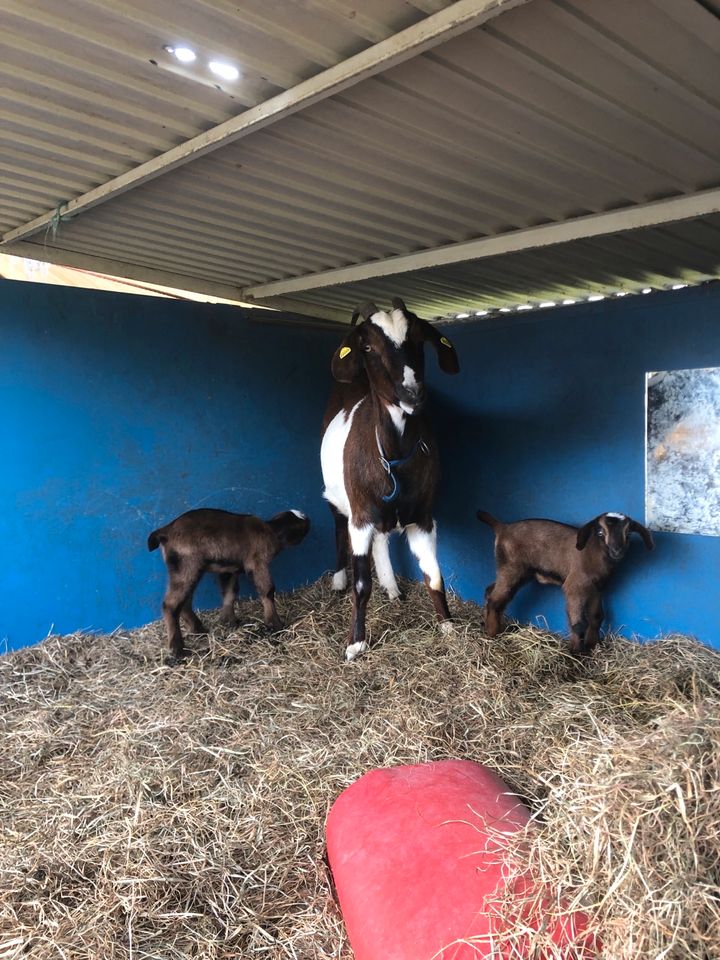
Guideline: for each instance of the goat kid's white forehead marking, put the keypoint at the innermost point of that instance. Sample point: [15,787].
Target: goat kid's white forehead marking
[394,325]
[616,516]
[299,514]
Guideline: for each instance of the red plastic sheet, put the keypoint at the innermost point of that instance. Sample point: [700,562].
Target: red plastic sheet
[416,853]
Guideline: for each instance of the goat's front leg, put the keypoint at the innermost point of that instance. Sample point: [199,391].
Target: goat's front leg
[423,543]
[262,578]
[360,542]
[228,583]
[383,566]
[595,618]
[578,604]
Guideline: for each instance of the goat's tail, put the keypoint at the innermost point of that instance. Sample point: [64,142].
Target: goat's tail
[488,518]
[156,538]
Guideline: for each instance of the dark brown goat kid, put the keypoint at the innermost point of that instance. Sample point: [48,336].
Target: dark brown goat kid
[581,561]
[228,544]
[379,455]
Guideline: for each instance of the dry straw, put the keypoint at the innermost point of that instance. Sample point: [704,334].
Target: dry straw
[151,811]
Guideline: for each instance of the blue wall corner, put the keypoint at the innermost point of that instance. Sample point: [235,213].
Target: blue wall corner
[117,413]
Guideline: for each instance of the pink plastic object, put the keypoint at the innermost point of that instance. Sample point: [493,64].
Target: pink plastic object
[415,855]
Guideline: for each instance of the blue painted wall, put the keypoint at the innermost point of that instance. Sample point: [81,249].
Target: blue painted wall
[547,419]
[117,413]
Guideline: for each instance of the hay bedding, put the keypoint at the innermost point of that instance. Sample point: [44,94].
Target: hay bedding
[151,811]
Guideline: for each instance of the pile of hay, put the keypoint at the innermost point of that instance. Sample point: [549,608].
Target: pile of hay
[151,811]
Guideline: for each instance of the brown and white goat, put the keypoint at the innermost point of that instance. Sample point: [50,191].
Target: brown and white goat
[227,544]
[580,561]
[379,456]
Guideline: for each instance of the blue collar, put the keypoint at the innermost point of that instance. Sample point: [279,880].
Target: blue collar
[389,466]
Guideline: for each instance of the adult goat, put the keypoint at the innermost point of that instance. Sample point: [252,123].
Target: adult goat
[379,456]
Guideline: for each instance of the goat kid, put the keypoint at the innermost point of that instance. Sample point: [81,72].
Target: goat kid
[227,544]
[379,456]
[581,561]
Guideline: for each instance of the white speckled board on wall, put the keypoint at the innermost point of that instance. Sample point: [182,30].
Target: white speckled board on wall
[682,451]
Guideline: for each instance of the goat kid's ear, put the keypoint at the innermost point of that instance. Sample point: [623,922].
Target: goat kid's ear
[446,353]
[584,533]
[347,361]
[643,532]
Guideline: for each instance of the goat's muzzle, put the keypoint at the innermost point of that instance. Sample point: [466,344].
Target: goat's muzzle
[412,401]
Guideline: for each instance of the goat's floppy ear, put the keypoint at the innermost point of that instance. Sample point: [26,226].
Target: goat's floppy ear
[347,361]
[643,532]
[584,533]
[447,357]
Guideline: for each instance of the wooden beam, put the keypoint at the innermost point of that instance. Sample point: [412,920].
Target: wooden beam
[450,22]
[122,270]
[701,204]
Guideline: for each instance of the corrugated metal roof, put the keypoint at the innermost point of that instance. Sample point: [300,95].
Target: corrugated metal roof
[88,90]
[554,110]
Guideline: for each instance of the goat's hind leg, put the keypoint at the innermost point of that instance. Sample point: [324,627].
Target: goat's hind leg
[423,544]
[497,596]
[182,581]
[192,620]
[339,580]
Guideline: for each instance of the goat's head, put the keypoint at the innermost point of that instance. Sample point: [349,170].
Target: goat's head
[291,527]
[388,349]
[613,531]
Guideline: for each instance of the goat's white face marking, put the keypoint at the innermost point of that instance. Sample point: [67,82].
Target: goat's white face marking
[383,566]
[339,580]
[299,514]
[394,325]
[616,516]
[398,416]
[409,379]
[424,546]
[331,459]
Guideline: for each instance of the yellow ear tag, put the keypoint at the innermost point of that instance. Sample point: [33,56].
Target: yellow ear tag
[344,351]
[445,341]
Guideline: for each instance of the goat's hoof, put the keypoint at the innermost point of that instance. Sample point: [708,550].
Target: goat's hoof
[394,595]
[228,618]
[339,580]
[354,650]
[176,659]
[447,627]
